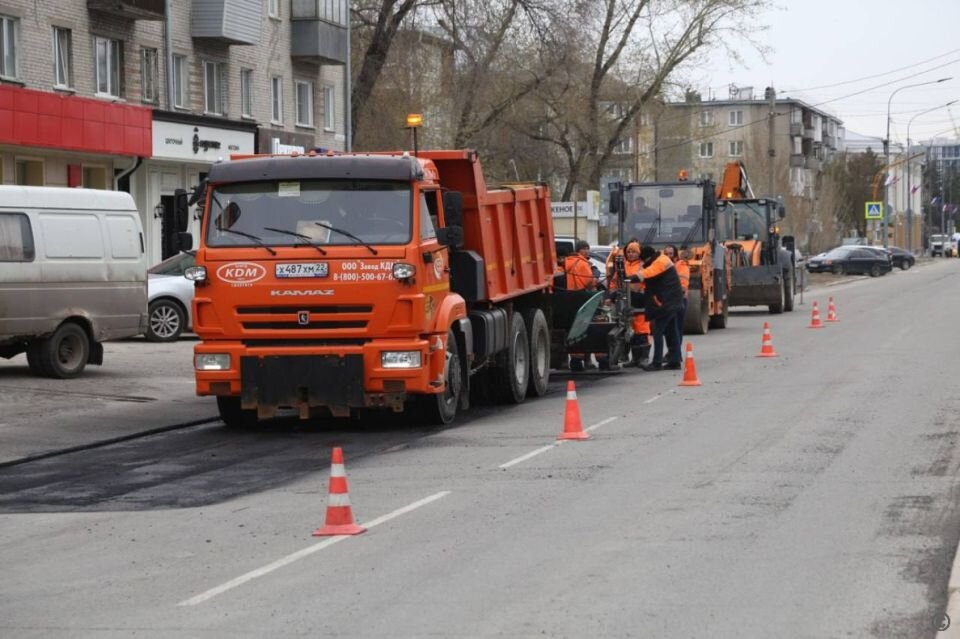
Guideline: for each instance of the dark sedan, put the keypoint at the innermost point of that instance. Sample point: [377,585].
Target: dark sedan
[901,258]
[851,259]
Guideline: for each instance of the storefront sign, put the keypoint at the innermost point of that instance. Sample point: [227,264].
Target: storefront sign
[178,141]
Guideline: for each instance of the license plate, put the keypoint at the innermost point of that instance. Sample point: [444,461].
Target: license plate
[303,269]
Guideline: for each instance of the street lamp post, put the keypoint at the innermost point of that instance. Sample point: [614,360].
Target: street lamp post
[909,175]
[886,151]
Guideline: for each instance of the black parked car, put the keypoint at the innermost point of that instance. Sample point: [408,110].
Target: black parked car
[901,258]
[851,259]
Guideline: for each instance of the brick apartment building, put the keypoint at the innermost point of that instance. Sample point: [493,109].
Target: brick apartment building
[144,95]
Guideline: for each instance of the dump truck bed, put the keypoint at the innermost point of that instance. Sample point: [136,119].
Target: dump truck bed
[510,228]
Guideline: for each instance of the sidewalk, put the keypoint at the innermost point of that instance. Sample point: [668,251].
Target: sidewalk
[141,386]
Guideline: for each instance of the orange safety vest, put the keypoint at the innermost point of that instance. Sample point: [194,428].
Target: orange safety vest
[683,270]
[640,324]
[579,273]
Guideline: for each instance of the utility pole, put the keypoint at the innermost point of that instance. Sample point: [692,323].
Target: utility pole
[771,96]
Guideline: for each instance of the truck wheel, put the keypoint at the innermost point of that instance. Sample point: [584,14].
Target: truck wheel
[720,320]
[64,354]
[697,323]
[233,416]
[777,307]
[790,289]
[538,334]
[442,407]
[514,363]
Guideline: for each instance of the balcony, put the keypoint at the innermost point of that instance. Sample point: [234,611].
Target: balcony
[131,9]
[796,160]
[227,21]
[318,30]
[808,132]
[796,128]
[812,163]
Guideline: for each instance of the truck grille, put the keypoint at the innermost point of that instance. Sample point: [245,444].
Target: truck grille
[323,318]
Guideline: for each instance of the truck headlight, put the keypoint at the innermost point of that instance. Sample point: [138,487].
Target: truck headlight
[400,359]
[403,271]
[212,362]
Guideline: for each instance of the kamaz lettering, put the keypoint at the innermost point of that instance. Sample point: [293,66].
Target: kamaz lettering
[326,291]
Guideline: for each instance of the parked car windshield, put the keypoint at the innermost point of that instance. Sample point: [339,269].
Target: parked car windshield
[174,265]
[324,212]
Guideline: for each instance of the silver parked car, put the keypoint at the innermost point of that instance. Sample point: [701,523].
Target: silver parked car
[169,298]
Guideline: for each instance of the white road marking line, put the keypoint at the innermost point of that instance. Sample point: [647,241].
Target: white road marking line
[653,399]
[300,554]
[599,424]
[523,458]
[543,449]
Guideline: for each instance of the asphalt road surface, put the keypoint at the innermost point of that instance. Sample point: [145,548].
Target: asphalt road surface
[809,495]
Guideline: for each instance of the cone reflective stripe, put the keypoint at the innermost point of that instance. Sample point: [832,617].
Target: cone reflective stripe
[815,317]
[572,424]
[690,369]
[832,312]
[339,514]
[766,346]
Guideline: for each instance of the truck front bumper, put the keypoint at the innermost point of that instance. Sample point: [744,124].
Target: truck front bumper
[338,378]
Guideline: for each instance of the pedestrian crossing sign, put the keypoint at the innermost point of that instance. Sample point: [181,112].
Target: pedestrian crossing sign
[874,210]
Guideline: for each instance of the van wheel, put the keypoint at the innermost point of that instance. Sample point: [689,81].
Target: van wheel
[539,338]
[64,354]
[166,320]
[441,409]
[514,363]
[233,416]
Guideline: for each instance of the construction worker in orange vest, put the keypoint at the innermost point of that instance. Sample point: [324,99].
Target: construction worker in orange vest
[681,262]
[640,342]
[664,299]
[579,278]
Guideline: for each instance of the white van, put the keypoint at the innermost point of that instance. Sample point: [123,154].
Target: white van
[72,275]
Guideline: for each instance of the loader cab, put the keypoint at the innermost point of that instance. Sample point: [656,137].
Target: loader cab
[681,213]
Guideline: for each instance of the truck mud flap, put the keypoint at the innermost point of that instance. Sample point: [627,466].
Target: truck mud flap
[289,380]
[756,286]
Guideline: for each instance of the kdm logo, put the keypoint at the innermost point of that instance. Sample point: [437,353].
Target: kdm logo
[241,273]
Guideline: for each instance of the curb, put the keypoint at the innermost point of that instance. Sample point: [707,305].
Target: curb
[106,442]
[953,601]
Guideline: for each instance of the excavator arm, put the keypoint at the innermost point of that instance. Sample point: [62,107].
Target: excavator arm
[734,185]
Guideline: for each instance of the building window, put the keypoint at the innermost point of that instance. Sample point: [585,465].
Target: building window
[62,58]
[246,93]
[276,99]
[643,119]
[180,81]
[214,95]
[736,118]
[329,123]
[797,145]
[16,238]
[623,146]
[706,149]
[109,67]
[29,172]
[149,72]
[736,149]
[273,8]
[94,177]
[706,118]
[304,95]
[9,46]
[334,11]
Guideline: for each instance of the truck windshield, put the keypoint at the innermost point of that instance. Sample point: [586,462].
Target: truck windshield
[327,212]
[664,214]
[742,221]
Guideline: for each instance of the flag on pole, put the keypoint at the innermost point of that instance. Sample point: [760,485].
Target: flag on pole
[915,189]
[935,200]
[890,179]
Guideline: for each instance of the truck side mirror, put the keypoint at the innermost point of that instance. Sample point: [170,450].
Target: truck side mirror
[782,211]
[451,236]
[453,208]
[616,202]
[198,193]
[181,210]
[184,241]
[789,243]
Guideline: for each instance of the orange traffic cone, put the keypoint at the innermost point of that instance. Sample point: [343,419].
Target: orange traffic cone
[815,318]
[766,346]
[690,369]
[339,514]
[572,424]
[832,312]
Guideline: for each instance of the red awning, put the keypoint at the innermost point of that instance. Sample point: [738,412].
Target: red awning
[50,120]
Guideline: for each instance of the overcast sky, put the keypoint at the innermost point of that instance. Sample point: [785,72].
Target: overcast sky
[825,42]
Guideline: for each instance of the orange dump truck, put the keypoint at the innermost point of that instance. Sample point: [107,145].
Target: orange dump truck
[340,282]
